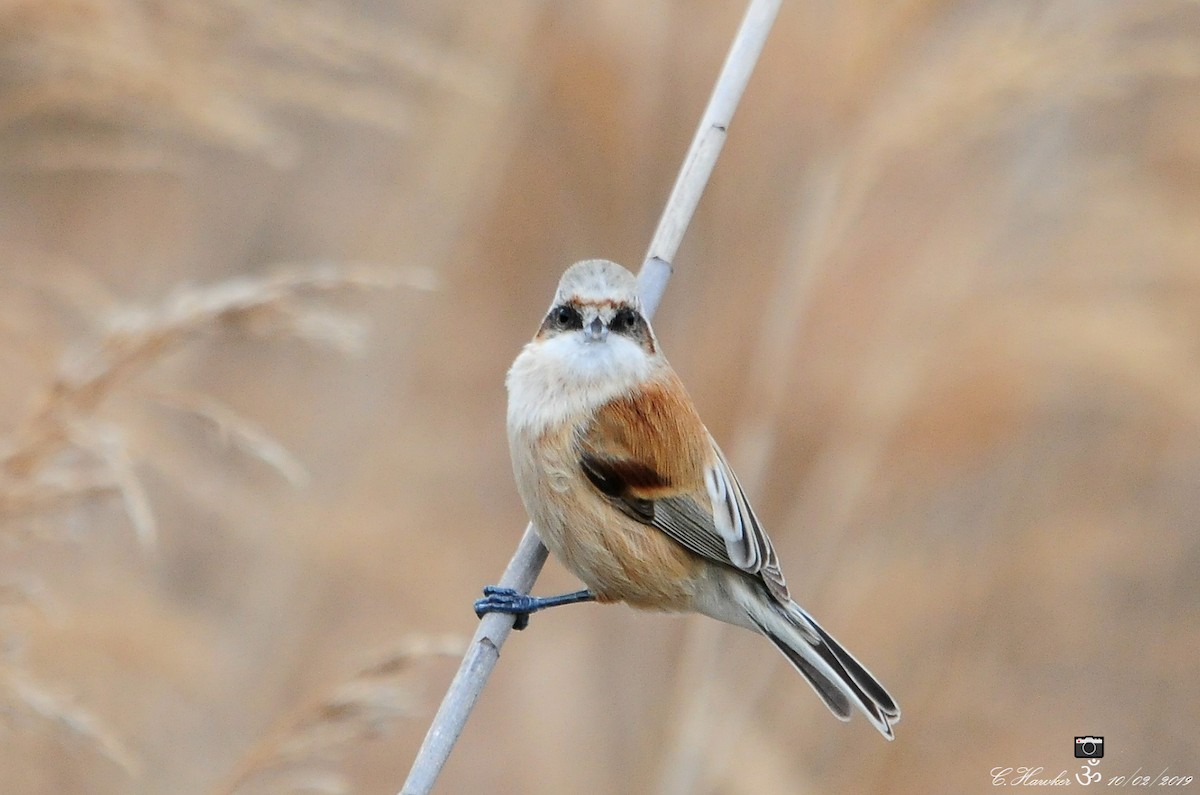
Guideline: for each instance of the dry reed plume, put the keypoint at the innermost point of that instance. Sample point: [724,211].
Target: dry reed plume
[67,451]
[114,84]
[296,753]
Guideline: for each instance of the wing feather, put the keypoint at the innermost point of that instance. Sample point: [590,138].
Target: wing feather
[746,541]
[689,524]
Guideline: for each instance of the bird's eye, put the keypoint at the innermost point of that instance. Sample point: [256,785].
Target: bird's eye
[624,321]
[566,317]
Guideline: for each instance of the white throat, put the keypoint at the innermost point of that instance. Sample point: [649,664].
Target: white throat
[566,377]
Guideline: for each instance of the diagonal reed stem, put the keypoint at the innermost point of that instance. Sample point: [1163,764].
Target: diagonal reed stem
[527,561]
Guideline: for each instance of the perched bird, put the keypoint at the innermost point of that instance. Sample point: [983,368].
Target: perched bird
[628,489]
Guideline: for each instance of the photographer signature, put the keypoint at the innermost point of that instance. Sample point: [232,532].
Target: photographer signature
[1087,775]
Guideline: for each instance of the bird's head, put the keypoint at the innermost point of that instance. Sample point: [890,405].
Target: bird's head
[596,316]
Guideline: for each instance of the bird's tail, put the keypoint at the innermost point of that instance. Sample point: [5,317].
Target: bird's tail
[840,680]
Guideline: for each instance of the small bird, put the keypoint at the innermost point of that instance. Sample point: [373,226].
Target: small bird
[626,486]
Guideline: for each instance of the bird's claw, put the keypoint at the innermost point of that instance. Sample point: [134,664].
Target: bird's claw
[506,600]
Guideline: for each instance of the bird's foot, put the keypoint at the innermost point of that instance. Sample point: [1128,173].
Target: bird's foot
[512,602]
[507,600]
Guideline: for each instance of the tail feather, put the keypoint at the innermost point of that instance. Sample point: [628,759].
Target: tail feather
[840,680]
[833,696]
[861,676]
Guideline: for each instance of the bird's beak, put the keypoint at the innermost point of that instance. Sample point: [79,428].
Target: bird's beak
[595,331]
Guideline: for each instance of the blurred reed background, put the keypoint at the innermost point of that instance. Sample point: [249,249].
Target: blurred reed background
[941,305]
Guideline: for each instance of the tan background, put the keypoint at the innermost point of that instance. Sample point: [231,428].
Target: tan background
[940,304]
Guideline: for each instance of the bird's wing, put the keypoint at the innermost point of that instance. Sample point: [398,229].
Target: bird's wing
[650,455]
[746,542]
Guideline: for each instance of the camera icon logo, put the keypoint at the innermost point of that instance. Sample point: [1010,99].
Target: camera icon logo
[1089,747]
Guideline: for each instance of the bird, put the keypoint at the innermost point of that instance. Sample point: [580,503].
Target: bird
[625,485]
